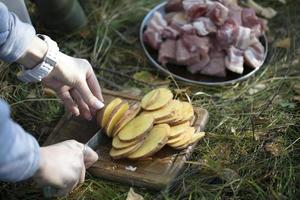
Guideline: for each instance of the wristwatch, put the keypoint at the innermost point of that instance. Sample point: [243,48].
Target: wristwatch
[45,67]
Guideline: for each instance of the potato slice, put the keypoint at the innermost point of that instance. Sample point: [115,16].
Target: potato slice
[118,144]
[164,113]
[150,98]
[103,115]
[122,153]
[128,116]
[186,139]
[115,116]
[176,139]
[178,129]
[176,107]
[162,97]
[156,139]
[188,111]
[136,128]
[196,137]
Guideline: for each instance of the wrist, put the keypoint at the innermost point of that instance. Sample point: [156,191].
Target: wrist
[34,54]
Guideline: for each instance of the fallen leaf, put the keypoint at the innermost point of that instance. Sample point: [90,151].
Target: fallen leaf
[266,12]
[296,98]
[282,1]
[288,105]
[148,77]
[297,88]
[260,135]
[229,175]
[283,43]
[275,147]
[133,196]
[257,88]
[134,91]
[49,92]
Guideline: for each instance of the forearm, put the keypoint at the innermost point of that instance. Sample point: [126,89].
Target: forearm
[15,36]
[19,151]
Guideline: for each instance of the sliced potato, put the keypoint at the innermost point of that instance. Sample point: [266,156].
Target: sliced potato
[196,137]
[188,112]
[175,106]
[150,98]
[164,96]
[115,116]
[178,129]
[118,144]
[156,139]
[163,113]
[136,128]
[186,139]
[129,115]
[103,115]
[176,139]
[122,153]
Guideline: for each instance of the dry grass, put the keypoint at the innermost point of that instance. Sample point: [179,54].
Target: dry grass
[252,146]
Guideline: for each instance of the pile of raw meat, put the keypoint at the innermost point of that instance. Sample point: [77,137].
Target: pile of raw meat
[207,36]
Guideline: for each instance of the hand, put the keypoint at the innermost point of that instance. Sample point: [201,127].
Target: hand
[75,83]
[63,166]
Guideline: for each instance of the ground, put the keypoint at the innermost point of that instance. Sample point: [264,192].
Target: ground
[251,150]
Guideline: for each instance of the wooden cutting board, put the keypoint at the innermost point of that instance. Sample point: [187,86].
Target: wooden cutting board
[156,172]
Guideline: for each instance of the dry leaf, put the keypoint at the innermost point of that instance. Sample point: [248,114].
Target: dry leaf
[297,88]
[296,98]
[282,1]
[260,135]
[134,91]
[266,12]
[284,43]
[49,92]
[275,147]
[257,88]
[133,196]
[229,174]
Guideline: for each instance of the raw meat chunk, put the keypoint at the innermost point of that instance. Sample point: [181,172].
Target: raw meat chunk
[254,55]
[204,26]
[216,66]
[174,6]
[184,56]
[152,38]
[167,52]
[218,13]
[242,37]
[170,33]
[250,20]
[196,8]
[225,33]
[157,23]
[234,60]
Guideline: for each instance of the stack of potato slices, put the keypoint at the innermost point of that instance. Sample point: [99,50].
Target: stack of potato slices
[142,129]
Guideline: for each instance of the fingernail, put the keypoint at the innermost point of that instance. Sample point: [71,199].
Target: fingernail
[98,105]
[77,113]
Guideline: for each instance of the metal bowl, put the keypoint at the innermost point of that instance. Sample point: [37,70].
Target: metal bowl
[181,73]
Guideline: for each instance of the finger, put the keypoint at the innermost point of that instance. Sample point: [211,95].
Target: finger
[94,86]
[68,102]
[90,157]
[82,175]
[88,96]
[83,107]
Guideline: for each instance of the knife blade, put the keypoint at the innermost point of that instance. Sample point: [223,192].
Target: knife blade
[96,139]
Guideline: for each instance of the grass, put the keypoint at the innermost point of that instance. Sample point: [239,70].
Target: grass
[251,150]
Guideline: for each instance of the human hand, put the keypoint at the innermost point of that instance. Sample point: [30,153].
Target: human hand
[63,166]
[75,83]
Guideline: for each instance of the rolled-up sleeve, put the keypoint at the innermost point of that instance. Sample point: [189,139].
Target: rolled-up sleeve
[19,151]
[15,36]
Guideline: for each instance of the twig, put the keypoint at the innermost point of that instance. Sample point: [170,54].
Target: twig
[111,83]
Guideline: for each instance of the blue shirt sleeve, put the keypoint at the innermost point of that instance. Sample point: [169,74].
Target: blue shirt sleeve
[19,151]
[15,36]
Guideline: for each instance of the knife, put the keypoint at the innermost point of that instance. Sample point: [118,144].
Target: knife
[93,142]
